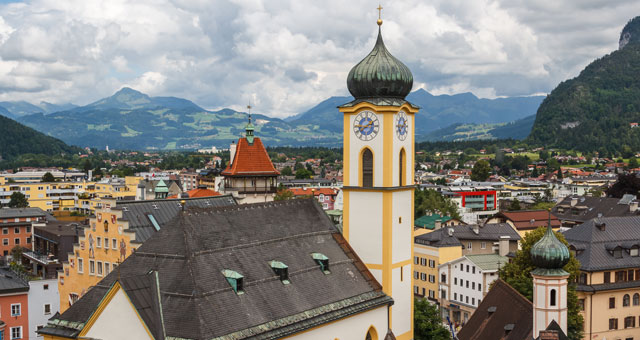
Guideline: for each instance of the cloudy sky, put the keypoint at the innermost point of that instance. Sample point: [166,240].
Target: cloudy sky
[286,56]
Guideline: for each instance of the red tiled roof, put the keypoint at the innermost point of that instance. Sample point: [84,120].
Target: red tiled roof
[315,191]
[523,219]
[250,160]
[199,193]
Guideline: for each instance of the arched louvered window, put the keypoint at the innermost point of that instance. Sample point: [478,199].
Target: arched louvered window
[372,334]
[402,166]
[552,297]
[367,168]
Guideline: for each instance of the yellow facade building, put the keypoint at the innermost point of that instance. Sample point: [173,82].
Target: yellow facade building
[426,259]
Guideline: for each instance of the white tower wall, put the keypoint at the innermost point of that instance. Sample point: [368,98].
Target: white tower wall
[543,310]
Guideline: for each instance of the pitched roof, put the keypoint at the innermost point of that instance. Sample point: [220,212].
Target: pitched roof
[429,221]
[594,247]
[503,307]
[21,212]
[488,262]
[250,159]
[137,212]
[529,219]
[199,192]
[11,283]
[196,300]
[489,232]
[314,191]
[586,208]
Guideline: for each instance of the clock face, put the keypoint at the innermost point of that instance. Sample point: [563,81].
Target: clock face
[366,125]
[402,125]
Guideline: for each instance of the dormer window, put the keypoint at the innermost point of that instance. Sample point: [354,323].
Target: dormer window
[322,261]
[617,252]
[235,280]
[633,251]
[282,270]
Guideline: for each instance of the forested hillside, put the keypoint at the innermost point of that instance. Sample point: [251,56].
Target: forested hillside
[17,139]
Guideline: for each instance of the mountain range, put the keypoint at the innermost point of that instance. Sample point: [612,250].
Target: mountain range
[133,120]
[599,109]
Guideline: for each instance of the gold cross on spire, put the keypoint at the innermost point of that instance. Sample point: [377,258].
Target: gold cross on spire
[379,14]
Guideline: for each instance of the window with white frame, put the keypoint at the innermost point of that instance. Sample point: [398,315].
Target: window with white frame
[99,268]
[106,268]
[114,243]
[15,309]
[16,332]
[99,242]
[80,265]
[483,245]
[47,309]
[92,267]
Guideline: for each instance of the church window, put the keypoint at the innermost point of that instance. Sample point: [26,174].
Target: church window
[401,168]
[322,261]
[626,300]
[636,299]
[367,168]
[235,280]
[552,297]
[372,334]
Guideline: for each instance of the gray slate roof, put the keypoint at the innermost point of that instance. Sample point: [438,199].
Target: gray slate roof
[461,233]
[11,283]
[594,247]
[21,212]
[587,208]
[198,303]
[163,211]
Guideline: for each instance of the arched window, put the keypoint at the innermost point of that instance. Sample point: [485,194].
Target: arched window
[626,300]
[552,297]
[636,299]
[367,168]
[372,334]
[401,168]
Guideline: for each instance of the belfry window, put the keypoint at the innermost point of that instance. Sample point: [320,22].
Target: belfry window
[401,168]
[552,297]
[367,168]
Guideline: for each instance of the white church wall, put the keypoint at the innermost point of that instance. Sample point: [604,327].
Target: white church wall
[365,210]
[119,312]
[350,328]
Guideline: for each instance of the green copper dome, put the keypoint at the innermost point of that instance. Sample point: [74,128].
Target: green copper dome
[380,74]
[549,252]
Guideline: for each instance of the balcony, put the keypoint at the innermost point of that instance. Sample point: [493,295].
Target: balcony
[253,190]
[43,259]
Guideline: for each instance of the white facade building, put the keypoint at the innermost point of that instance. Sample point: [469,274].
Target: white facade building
[44,302]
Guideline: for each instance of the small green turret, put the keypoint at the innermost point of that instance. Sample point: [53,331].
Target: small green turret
[549,254]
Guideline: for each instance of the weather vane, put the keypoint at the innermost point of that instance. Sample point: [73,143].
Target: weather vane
[249,108]
[379,14]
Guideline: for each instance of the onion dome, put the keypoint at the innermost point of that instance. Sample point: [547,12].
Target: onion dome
[549,253]
[380,75]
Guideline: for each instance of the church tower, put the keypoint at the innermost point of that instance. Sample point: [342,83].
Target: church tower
[378,176]
[549,255]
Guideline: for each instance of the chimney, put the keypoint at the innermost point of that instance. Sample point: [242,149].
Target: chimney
[503,246]
[476,229]
[574,201]
[633,206]
[601,225]
[450,231]
[438,224]
[232,152]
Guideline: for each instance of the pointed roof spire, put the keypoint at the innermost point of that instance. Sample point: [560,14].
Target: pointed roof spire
[249,129]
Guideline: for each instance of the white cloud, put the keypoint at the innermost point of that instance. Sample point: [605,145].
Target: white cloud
[285,56]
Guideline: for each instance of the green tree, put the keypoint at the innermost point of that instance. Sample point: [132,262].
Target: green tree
[18,200]
[633,163]
[87,166]
[283,194]
[427,322]
[303,173]
[517,274]
[48,177]
[515,205]
[433,201]
[480,171]
[286,171]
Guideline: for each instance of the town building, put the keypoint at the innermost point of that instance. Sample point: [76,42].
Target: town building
[52,243]
[427,256]
[250,176]
[113,233]
[264,270]
[575,210]
[433,221]
[325,196]
[474,205]
[14,305]
[44,302]
[524,221]
[464,282]
[609,283]
[16,227]
[200,191]
[506,314]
